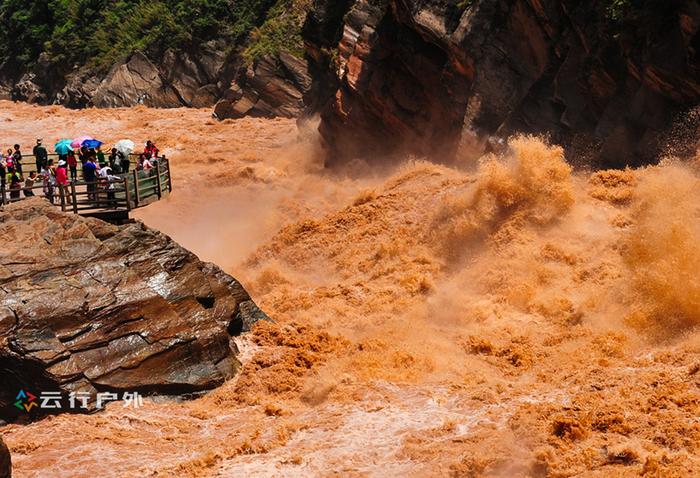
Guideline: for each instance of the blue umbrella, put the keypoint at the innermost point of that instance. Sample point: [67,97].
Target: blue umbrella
[63,147]
[92,143]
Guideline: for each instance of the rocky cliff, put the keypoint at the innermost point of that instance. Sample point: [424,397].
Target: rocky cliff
[86,306]
[604,78]
[175,78]
[272,85]
[161,53]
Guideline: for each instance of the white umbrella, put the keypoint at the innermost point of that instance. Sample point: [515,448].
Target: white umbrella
[125,146]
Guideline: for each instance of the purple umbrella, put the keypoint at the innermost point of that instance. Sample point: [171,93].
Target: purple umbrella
[78,142]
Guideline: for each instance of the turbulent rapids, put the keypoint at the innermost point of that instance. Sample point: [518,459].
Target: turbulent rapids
[512,317]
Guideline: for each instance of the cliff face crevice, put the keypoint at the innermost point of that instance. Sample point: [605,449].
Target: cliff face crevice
[421,76]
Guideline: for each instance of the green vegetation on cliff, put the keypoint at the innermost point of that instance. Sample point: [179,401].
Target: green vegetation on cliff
[97,33]
[280,31]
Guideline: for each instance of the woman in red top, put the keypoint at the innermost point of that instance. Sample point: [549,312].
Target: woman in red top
[151,150]
[73,165]
[62,177]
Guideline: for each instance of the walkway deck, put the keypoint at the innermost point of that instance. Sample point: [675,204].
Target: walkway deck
[111,202]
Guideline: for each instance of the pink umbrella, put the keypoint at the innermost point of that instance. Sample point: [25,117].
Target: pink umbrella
[78,142]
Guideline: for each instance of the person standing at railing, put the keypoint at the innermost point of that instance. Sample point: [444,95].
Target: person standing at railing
[40,155]
[29,184]
[144,164]
[83,155]
[49,175]
[115,162]
[17,159]
[90,177]
[73,166]
[101,161]
[107,182]
[3,178]
[124,162]
[151,150]
[61,179]
[15,181]
[9,159]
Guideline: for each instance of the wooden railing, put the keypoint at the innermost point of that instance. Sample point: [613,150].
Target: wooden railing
[146,188]
[132,190]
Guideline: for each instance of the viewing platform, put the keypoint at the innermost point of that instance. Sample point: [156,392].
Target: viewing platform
[111,201]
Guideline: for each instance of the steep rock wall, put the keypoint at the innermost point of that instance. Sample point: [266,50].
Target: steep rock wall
[420,76]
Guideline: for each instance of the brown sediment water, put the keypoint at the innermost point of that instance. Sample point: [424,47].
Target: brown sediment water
[516,319]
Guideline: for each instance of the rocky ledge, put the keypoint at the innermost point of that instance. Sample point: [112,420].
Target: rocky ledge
[86,306]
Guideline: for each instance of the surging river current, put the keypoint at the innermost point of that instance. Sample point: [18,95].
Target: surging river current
[513,319]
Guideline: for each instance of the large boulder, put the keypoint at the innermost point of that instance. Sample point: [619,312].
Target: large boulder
[135,81]
[87,306]
[194,76]
[79,89]
[420,76]
[178,78]
[27,89]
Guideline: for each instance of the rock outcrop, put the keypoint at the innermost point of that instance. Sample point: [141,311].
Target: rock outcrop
[136,81]
[420,76]
[168,80]
[179,79]
[86,306]
[271,86]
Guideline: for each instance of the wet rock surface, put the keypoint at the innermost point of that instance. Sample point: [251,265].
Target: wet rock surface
[86,306]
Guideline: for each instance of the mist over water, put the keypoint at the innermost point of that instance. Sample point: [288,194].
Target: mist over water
[516,319]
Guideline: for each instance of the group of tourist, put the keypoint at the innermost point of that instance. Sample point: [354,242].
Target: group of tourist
[99,171]
[11,170]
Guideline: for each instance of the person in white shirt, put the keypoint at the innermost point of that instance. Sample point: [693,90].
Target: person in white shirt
[107,179]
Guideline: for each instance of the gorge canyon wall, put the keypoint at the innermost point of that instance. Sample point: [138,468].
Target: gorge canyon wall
[420,76]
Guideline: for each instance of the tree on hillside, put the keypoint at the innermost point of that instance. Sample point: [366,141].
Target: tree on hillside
[26,27]
[98,33]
